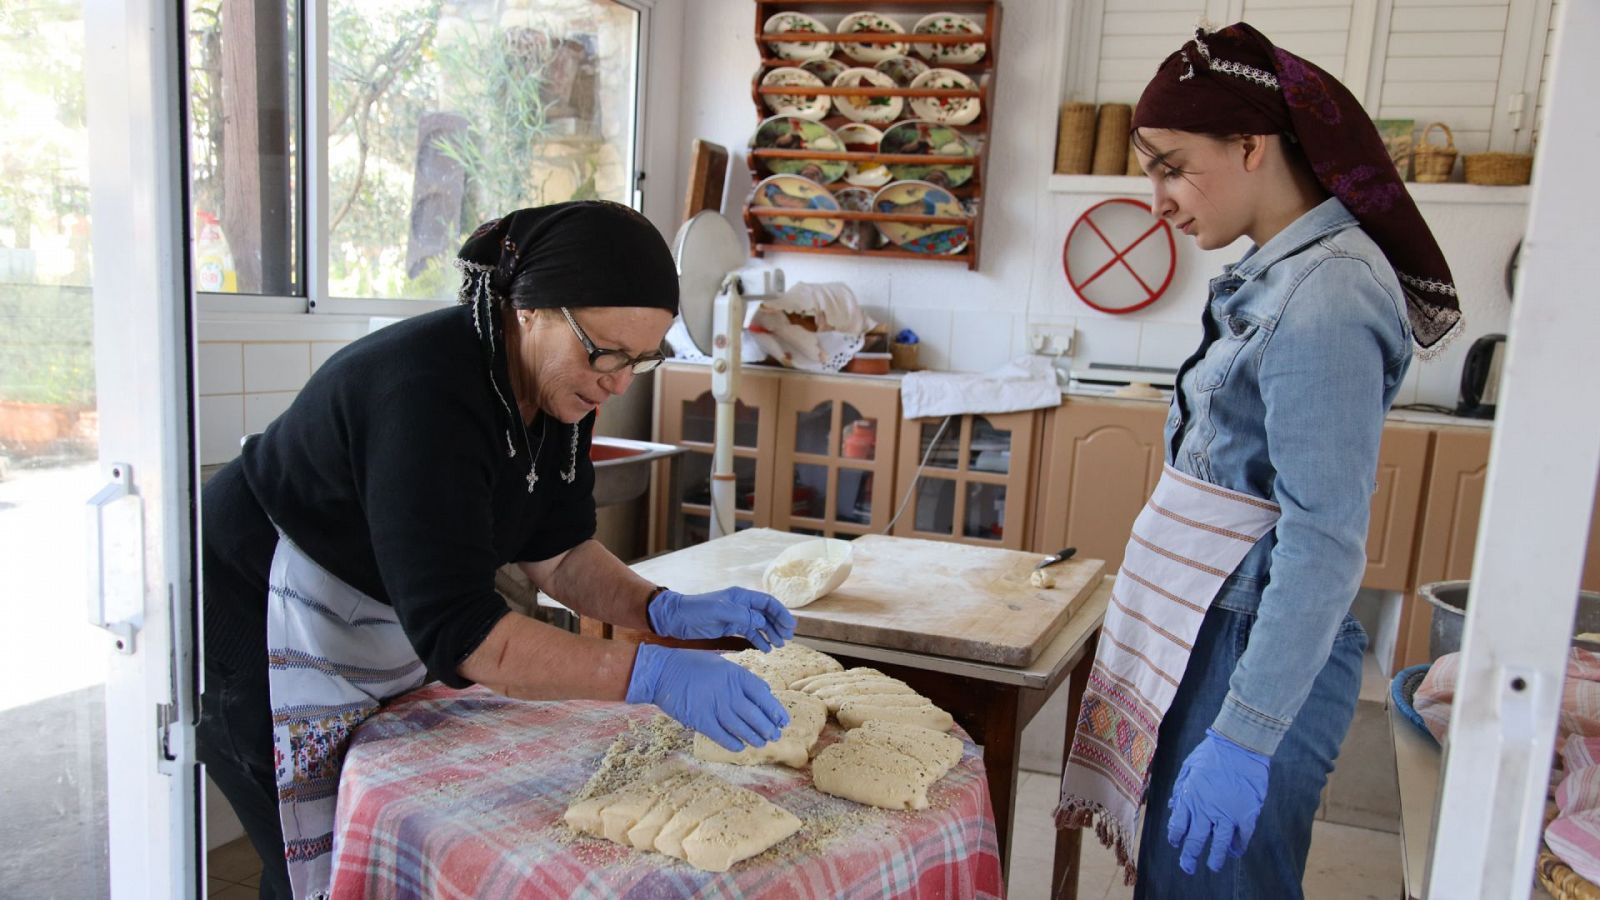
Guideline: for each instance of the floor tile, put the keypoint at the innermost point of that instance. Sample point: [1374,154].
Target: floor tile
[234,861]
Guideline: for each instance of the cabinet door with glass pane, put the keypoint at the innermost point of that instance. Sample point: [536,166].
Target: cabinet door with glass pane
[834,469]
[974,482]
[686,415]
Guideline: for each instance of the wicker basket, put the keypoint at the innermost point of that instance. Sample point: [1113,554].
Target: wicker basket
[1075,139]
[1498,168]
[1432,163]
[1563,883]
[1111,139]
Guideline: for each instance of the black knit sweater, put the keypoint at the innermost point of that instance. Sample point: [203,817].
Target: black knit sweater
[392,471]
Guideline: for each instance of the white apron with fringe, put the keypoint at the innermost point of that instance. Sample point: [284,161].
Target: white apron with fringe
[1190,536]
[333,655]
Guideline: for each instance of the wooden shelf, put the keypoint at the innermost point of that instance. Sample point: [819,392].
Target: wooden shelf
[987,14]
[1449,192]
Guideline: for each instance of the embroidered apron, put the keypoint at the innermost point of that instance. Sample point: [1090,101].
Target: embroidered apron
[333,655]
[1190,536]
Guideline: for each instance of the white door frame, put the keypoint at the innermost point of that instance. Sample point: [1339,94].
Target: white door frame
[1537,502]
[143,350]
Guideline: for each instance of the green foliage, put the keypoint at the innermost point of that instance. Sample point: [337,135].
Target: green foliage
[46,345]
[43,146]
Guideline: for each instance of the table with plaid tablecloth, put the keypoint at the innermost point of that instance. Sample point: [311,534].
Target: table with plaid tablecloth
[460,794]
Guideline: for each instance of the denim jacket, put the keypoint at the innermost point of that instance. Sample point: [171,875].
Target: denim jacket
[1306,342]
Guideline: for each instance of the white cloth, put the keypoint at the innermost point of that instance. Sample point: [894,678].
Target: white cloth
[1184,544]
[1027,382]
[841,327]
[333,654]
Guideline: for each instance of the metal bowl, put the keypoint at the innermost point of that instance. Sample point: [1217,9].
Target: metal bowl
[1449,601]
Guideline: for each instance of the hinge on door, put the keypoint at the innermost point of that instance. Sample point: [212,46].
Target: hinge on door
[166,717]
[1514,110]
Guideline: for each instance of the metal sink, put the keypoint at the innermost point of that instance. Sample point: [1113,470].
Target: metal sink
[622,467]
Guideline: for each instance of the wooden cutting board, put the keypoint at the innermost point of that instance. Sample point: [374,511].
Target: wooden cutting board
[932,597]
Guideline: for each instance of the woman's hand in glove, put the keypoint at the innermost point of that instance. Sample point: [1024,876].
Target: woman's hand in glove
[709,694]
[1218,795]
[758,618]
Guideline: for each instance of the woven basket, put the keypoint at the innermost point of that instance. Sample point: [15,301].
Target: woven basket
[1498,168]
[1075,139]
[1111,139]
[1563,883]
[1432,163]
[1133,161]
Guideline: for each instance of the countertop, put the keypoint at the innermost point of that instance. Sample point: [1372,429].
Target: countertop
[1414,417]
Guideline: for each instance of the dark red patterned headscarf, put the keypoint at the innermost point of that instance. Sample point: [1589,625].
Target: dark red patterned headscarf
[1234,81]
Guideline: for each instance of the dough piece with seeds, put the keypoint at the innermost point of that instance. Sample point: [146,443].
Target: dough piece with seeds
[737,834]
[872,774]
[642,836]
[938,751]
[721,796]
[807,715]
[585,816]
[843,677]
[855,712]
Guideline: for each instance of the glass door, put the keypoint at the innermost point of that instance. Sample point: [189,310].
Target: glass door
[98,790]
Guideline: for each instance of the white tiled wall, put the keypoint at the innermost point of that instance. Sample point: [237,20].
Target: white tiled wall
[244,385]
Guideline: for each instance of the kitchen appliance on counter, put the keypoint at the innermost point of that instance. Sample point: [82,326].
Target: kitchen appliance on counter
[1480,377]
[1109,378]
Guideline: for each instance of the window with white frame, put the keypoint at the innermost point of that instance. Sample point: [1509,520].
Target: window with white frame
[1474,65]
[345,156]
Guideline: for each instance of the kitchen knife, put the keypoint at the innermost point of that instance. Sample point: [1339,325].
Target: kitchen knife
[1063,556]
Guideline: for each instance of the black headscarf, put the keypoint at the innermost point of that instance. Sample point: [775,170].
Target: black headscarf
[576,254]
[1234,81]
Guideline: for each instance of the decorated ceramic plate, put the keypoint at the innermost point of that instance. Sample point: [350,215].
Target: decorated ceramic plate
[796,50]
[812,106]
[870,23]
[810,226]
[903,69]
[858,235]
[872,110]
[949,54]
[916,137]
[825,69]
[862,138]
[945,110]
[919,198]
[795,133]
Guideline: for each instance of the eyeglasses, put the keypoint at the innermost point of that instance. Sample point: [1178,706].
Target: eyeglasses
[608,361]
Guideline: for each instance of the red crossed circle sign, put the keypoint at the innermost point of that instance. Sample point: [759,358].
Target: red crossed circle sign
[1152,280]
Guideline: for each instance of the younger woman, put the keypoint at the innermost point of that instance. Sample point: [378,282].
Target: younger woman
[1228,668]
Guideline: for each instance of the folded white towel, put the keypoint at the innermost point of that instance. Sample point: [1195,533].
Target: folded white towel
[1027,382]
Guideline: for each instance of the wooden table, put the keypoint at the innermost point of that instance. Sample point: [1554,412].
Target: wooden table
[992,703]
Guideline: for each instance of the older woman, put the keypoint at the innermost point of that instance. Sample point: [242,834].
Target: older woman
[349,552]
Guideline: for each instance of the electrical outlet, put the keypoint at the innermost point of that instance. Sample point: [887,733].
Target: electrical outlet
[1048,339]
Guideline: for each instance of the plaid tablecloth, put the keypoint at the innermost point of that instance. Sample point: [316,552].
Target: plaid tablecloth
[460,794]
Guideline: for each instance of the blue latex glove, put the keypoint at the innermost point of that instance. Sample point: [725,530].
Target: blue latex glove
[705,692]
[1218,795]
[758,618]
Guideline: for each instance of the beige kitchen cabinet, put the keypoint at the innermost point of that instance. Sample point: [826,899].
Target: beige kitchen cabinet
[1101,459]
[686,416]
[1396,502]
[976,486]
[1449,531]
[833,469]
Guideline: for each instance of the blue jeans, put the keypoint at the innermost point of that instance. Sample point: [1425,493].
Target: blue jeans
[1275,860]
